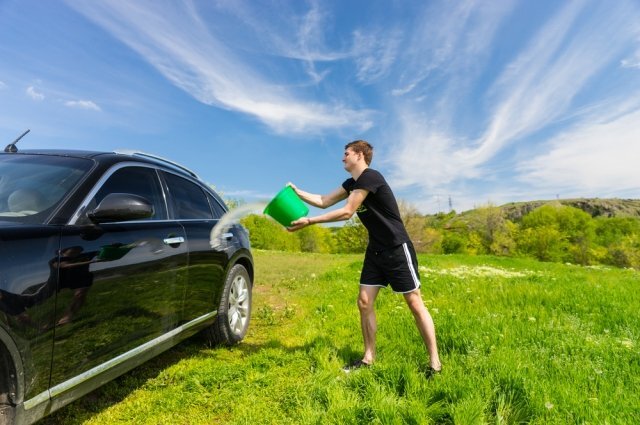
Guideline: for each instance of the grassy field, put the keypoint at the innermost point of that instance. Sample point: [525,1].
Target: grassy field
[520,341]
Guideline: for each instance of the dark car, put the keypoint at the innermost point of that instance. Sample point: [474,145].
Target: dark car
[106,260]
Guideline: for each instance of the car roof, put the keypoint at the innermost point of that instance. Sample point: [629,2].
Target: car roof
[110,157]
[58,152]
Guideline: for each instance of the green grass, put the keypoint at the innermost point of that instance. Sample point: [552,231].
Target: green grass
[520,341]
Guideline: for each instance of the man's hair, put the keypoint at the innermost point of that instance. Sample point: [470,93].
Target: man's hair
[363,147]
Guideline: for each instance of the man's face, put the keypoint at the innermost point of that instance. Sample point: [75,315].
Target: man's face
[350,159]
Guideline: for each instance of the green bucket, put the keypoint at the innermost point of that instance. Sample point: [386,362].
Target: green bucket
[286,207]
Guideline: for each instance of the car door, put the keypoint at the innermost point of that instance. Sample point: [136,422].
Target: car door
[205,279]
[120,284]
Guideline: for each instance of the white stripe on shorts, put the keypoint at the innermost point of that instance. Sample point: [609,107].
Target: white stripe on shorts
[416,281]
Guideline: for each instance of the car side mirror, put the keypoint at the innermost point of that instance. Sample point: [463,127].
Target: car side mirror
[121,207]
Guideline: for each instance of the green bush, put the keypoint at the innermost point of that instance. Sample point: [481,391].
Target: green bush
[551,232]
[352,237]
[316,239]
[454,243]
[265,233]
[558,233]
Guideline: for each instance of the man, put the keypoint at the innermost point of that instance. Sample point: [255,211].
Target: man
[390,257]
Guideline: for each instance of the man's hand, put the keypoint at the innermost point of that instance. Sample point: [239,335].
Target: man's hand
[294,187]
[300,223]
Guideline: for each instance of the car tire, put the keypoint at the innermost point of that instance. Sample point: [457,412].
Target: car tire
[234,311]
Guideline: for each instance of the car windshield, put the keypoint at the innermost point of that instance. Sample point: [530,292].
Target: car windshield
[32,186]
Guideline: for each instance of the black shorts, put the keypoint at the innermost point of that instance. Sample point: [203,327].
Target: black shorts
[397,266]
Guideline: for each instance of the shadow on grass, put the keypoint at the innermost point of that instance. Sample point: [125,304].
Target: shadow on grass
[119,389]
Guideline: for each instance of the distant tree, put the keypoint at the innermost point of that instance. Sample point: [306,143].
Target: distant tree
[579,229]
[440,220]
[415,224]
[610,231]
[625,253]
[316,239]
[265,233]
[619,238]
[544,242]
[486,222]
[554,232]
[432,241]
[352,237]
[504,240]
[454,243]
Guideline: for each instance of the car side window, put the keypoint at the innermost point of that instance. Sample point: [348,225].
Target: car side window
[141,181]
[218,210]
[189,200]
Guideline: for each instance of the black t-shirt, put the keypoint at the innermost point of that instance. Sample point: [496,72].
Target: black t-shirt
[379,212]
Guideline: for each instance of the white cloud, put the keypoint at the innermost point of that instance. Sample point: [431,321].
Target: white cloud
[601,157]
[426,156]
[34,94]
[2,85]
[83,104]
[188,54]
[375,53]
[632,61]
[535,92]
[246,194]
[453,37]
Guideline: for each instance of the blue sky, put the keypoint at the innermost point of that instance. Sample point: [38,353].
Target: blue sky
[470,101]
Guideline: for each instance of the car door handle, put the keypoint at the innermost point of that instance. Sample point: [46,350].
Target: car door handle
[174,240]
[227,235]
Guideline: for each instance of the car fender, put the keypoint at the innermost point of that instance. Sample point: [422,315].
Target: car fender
[241,256]
[8,344]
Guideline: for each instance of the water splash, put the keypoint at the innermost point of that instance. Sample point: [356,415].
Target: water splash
[231,218]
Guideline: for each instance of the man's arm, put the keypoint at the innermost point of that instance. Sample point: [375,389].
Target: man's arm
[355,199]
[321,201]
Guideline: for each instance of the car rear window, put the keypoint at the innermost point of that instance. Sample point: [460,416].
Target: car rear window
[189,200]
[32,186]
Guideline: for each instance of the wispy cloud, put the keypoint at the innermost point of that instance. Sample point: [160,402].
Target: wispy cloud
[188,54]
[541,87]
[448,38]
[247,194]
[34,94]
[82,104]
[633,60]
[2,85]
[375,54]
[598,157]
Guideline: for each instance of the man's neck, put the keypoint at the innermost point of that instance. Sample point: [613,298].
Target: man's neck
[358,171]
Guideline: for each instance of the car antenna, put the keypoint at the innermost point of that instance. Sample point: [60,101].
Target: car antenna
[11,147]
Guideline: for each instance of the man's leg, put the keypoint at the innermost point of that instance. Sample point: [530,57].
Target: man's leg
[366,302]
[425,326]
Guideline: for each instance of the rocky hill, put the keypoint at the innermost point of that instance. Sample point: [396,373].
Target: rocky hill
[595,206]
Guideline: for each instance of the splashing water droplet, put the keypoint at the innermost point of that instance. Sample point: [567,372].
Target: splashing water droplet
[231,218]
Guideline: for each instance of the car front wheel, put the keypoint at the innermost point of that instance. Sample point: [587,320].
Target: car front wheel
[234,311]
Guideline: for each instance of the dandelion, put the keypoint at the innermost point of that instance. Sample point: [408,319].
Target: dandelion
[313,275]
[548,405]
